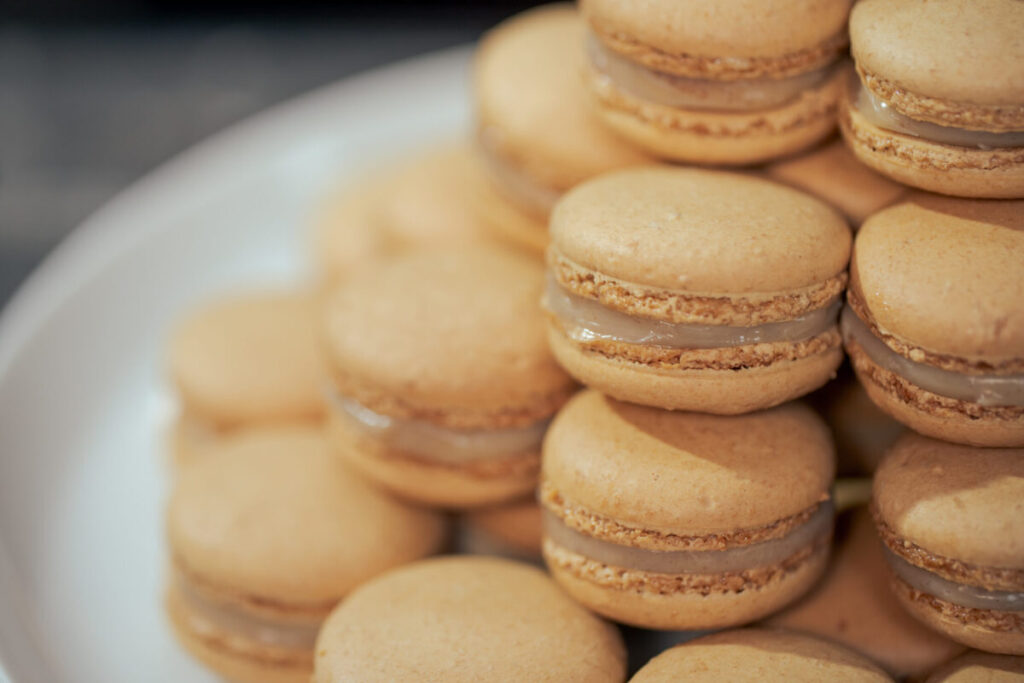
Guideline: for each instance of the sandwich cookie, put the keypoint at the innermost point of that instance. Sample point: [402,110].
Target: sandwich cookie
[934,325]
[346,230]
[952,521]
[537,132]
[444,384]
[243,360]
[939,102]
[685,521]
[509,530]
[980,667]
[738,82]
[696,290]
[761,656]
[466,619]
[266,534]
[852,605]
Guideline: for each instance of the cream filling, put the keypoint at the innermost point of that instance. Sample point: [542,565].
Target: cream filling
[884,115]
[985,390]
[242,624]
[586,320]
[680,92]
[522,187]
[951,591]
[436,443]
[765,554]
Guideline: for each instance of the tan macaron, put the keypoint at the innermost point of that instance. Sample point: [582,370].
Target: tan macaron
[761,656]
[266,534]
[676,520]
[443,377]
[733,82]
[538,133]
[935,325]
[952,521]
[511,529]
[698,290]
[852,605]
[940,100]
[466,619]
[980,667]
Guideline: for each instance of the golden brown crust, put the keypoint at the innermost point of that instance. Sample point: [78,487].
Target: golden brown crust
[944,112]
[685,307]
[988,619]
[605,529]
[719,68]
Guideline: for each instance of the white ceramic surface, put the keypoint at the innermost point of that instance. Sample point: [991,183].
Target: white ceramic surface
[83,401]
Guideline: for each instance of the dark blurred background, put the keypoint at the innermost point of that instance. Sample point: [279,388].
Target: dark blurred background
[94,93]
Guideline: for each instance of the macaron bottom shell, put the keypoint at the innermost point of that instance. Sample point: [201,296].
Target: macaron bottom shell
[506,221]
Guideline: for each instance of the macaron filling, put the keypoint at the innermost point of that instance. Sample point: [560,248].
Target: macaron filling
[983,389]
[523,188]
[440,444]
[680,92]
[884,115]
[962,594]
[587,320]
[740,558]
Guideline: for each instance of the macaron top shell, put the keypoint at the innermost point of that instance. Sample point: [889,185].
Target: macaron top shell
[758,655]
[961,502]
[688,473]
[455,337]
[466,619]
[945,275]
[272,513]
[959,50]
[533,105]
[975,667]
[692,230]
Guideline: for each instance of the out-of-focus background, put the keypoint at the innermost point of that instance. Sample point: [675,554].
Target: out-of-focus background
[94,93]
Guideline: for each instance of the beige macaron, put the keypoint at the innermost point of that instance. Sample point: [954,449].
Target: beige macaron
[935,325]
[266,534]
[732,82]
[511,529]
[940,99]
[242,360]
[466,619]
[675,520]
[444,382]
[538,133]
[980,667]
[952,521]
[698,290]
[761,655]
[852,605]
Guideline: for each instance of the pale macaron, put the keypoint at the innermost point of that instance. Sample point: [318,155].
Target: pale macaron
[834,175]
[245,359]
[939,103]
[466,619]
[934,325]
[538,134]
[863,432]
[853,606]
[443,379]
[509,530]
[690,289]
[761,655]
[266,535]
[685,521]
[980,667]
[733,82]
[952,521]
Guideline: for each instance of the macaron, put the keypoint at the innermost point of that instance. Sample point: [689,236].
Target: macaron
[980,667]
[466,619]
[852,606]
[834,175]
[266,534]
[674,520]
[443,381]
[245,359]
[951,518]
[759,655]
[690,289]
[739,82]
[939,102]
[509,530]
[537,131]
[345,231]
[934,325]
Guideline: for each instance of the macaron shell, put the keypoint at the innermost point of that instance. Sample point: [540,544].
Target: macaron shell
[345,227]
[980,667]
[516,524]
[507,222]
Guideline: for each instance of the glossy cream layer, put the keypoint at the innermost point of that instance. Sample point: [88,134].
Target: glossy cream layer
[950,591]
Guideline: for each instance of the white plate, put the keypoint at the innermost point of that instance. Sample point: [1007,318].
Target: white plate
[82,394]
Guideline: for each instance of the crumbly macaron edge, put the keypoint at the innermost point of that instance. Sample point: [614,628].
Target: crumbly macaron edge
[995,621]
